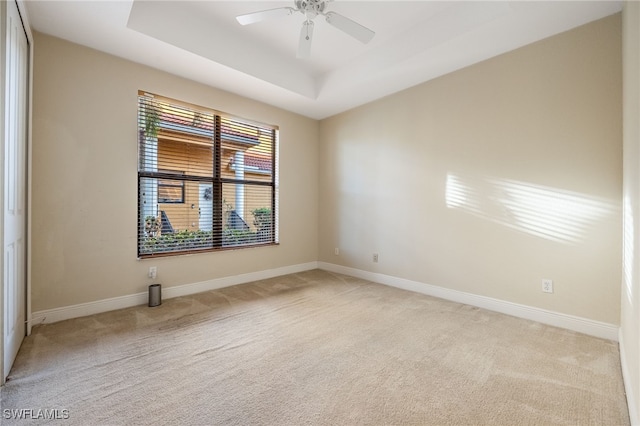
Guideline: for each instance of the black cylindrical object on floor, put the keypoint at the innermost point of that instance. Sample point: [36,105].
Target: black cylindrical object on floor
[155,295]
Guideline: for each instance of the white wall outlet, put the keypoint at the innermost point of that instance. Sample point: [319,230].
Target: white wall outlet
[153,272]
[336,251]
[547,286]
[375,257]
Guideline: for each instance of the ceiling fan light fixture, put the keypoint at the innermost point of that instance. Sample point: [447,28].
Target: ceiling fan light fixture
[310,9]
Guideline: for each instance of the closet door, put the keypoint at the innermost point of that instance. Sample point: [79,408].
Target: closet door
[14,188]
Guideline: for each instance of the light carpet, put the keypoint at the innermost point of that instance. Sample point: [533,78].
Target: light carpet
[314,348]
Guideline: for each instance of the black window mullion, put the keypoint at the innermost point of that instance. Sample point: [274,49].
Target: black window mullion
[140,220]
[246,182]
[217,183]
[169,176]
[273,185]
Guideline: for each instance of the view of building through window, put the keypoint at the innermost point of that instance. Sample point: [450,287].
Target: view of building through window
[205,180]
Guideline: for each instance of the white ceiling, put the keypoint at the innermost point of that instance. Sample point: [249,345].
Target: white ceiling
[415,41]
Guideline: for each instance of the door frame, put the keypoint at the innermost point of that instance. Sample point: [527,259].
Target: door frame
[28,157]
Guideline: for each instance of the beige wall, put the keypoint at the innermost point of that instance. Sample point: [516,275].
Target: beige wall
[630,317]
[489,179]
[85,173]
[458,182]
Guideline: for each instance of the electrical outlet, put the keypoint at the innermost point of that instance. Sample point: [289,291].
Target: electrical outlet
[153,272]
[336,251]
[547,286]
[375,257]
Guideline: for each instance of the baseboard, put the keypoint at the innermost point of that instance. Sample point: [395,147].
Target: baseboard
[581,325]
[632,402]
[105,305]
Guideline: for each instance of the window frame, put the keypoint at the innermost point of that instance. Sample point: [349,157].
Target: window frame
[168,185]
[216,181]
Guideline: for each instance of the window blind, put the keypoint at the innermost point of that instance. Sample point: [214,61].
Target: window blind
[206,180]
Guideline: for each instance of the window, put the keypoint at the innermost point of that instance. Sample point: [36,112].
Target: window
[206,180]
[170,191]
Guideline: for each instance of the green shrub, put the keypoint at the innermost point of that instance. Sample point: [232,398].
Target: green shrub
[193,240]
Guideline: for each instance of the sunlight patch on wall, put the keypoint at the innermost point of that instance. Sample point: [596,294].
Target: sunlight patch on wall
[545,212]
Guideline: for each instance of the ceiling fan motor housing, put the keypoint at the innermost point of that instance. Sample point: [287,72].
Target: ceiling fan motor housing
[311,8]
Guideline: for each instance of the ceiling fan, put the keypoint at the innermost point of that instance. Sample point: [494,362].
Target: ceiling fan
[310,9]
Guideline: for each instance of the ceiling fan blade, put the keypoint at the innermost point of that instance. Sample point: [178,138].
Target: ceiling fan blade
[350,27]
[306,35]
[252,18]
